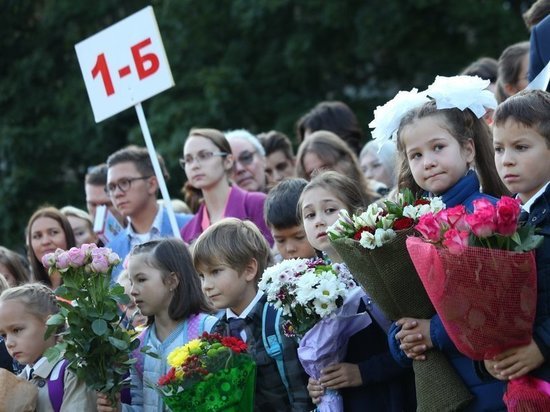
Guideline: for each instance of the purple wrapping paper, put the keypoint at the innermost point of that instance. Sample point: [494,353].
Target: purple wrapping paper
[326,343]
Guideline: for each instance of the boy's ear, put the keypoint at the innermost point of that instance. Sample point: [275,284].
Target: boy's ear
[251,270]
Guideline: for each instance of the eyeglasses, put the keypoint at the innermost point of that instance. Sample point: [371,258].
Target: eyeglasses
[199,158]
[123,184]
[246,158]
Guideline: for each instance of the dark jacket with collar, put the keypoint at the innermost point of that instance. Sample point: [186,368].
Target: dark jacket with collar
[539,217]
[271,394]
[488,393]
[539,48]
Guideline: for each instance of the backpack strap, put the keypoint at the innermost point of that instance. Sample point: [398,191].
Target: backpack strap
[138,354]
[272,340]
[56,385]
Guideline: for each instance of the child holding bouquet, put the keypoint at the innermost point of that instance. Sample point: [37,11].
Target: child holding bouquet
[166,289]
[368,375]
[230,256]
[521,139]
[24,311]
[440,140]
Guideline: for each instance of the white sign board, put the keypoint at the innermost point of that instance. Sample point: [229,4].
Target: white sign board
[124,64]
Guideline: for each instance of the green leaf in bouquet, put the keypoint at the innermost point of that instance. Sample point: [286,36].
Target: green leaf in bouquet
[56,320]
[109,316]
[118,343]
[99,326]
[122,299]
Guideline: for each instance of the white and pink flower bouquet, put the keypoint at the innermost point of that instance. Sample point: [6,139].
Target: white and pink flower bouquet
[319,302]
[479,271]
[94,341]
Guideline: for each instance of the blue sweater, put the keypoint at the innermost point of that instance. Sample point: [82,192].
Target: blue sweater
[488,393]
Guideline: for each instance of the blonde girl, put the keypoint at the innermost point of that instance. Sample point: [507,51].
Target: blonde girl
[24,311]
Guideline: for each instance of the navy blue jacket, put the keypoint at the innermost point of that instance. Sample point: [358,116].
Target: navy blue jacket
[539,217]
[539,49]
[488,393]
[386,385]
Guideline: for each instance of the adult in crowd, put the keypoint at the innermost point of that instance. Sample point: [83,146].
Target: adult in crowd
[537,20]
[209,164]
[82,224]
[513,70]
[13,267]
[47,230]
[280,160]
[96,195]
[133,188]
[249,160]
[323,151]
[379,164]
[336,117]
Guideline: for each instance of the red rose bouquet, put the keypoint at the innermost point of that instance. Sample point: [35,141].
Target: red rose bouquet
[479,271]
[212,373]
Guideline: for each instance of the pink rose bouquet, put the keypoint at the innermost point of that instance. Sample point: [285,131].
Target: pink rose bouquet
[479,271]
[95,343]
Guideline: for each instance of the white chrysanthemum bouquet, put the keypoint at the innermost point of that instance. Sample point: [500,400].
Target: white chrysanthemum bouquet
[306,290]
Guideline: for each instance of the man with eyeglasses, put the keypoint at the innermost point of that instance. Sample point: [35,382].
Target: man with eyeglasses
[133,188]
[94,187]
[249,154]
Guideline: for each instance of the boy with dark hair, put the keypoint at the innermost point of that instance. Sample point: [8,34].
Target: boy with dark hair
[282,219]
[280,161]
[133,187]
[521,138]
[230,256]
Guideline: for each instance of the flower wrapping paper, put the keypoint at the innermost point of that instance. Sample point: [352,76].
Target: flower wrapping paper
[326,343]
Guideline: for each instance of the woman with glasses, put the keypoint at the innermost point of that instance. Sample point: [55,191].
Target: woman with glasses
[209,164]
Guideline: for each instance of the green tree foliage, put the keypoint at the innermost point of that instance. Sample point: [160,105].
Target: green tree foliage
[257,64]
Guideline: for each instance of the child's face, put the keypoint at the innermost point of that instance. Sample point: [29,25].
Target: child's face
[226,288]
[151,294]
[320,210]
[292,242]
[372,168]
[521,158]
[23,332]
[435,157]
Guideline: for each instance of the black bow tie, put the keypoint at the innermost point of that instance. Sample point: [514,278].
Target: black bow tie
[236,326]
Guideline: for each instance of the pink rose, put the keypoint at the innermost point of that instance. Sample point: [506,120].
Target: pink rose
[455,217]
[483,220]
[100,264]
[87,248]
[455,240]
[508,210]
[63,261]
[48,260]
[429,227]
[77,257]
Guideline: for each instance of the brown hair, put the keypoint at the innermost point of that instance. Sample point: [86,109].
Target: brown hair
[463,125]
[39,273]
[231,242]
[172,256]
[530,108]
[336,155]
[192,195]
[15,265]
[342,187]
[509,67]
[139,156]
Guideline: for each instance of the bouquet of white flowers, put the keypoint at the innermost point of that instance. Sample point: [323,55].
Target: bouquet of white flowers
[319,301]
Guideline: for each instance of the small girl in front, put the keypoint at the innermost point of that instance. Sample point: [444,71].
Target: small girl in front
[24,311]
[439,149]
[166,289]
[368,375]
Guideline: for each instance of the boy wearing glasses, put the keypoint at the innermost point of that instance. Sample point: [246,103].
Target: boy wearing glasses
[133,187]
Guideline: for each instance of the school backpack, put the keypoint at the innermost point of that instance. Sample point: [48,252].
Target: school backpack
[56,387]
[272,340]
